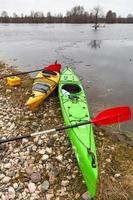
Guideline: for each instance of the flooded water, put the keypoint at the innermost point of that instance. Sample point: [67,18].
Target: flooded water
[103,59]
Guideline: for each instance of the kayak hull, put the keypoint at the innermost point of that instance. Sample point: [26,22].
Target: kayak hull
[43,86]
[75,110]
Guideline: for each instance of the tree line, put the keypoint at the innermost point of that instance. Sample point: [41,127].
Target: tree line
[76,15]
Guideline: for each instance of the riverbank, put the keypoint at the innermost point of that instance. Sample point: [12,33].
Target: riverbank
[45,167]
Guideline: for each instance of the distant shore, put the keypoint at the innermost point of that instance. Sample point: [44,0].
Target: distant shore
[77,14]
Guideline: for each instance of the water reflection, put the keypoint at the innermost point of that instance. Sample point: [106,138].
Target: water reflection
[106,54]
[94,44]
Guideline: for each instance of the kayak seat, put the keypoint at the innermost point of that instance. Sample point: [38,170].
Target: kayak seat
[41,87]
[48,73]
[71,88]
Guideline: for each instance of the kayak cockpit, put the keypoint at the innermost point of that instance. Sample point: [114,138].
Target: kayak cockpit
[71,88]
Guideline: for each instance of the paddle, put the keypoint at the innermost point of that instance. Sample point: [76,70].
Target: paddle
[106,117]
[53,67]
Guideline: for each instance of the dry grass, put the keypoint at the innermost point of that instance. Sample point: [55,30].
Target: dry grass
[116,176]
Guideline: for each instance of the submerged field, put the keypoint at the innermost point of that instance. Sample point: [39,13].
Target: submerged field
[45,167]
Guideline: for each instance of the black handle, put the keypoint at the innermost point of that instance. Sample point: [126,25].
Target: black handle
[14,138]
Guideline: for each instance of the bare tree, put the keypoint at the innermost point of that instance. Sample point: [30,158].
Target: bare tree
[59,18]
[77,15]
[15,15]
[5,17]
[38,17]
[97,13]
[22,15]
[32,14]
[38,14]
[129,18]
[49,17]
[110,17]
[4,14]
[77,10]
[129,15]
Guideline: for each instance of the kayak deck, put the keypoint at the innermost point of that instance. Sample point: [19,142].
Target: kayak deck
[43,86]
[75,110]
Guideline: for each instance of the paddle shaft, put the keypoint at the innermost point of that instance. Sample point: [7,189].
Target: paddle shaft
[106,117]
[44,132]
[20,73]
[53,67]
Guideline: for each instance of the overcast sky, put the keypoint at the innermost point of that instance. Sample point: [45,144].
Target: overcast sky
[121,7]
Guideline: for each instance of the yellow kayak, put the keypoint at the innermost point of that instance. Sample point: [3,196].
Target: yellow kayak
[44,84]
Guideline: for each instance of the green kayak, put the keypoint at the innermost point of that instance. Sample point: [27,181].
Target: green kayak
[75,110]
